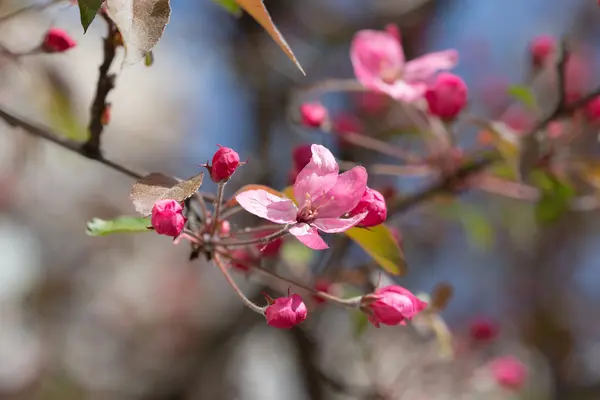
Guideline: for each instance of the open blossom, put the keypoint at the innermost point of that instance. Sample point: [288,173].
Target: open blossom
[509,372]
[379,64]
[391,305]
[57,41]
[324,197]
[286,312]
[167,217]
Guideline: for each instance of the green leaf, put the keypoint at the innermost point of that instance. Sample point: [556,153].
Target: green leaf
[88,10]
[230,6]
[524,95]
[380,244]
[555,198]
[100,227]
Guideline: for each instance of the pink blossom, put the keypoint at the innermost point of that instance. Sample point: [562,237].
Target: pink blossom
[57,41]
[391,305]
[483,330]
[592,109]
[286,312]
[541,48]
[373,203]
[225,162]
[509,372]
[379,65]
[167,217]
[447,97]
[301,155]
[324,196]
[313,115]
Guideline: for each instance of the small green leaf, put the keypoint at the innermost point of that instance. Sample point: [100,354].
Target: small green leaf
[100,227]
[88,10]
[230,6]
[524,95]
[380,244]
[555,199]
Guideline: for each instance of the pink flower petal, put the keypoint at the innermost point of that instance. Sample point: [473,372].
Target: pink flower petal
[346,193]
[319,175]
[373,51]
[268,206]
[403,91]
[337,225]
[309,236]
[423,68]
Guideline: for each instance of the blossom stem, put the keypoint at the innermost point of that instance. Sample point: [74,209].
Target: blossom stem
[203,208]
[229,212]
[247,302]
[245,231]
[218,204]
[265,239]
[351,303]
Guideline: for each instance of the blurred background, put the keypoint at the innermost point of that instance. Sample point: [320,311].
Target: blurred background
[128,317]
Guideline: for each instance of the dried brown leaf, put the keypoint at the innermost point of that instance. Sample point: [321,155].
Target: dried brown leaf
[156,186]
[141,23]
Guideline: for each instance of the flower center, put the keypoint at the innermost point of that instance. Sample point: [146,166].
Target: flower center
[388,73]
[309,212]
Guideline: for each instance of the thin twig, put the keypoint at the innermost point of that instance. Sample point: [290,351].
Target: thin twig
[261,240]
[218,205]
[236,288]
[106,82]
[351,303]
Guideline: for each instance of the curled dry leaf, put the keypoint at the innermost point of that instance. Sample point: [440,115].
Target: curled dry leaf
[155,186]
[141,23]
[259,12]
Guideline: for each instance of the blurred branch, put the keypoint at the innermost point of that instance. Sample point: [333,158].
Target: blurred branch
[106,82]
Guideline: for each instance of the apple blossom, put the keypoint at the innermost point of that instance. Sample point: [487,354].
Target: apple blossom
[391,305]
[324,196]
[373,203]
[167,217]
[379,64]
[286,312]
[313,115]
[57,41]
[225,162]
[447,96]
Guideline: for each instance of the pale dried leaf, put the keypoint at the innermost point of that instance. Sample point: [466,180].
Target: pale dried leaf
[155,186]
[141,23]
[259,12]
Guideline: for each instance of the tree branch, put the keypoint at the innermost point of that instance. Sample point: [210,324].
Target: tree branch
[106,82]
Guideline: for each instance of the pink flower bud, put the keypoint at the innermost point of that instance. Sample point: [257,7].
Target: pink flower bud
[322,285]
[373,202]
[57,41]
[509,372]
[242,260]
[483,330]
[224,227]
[541,48]
[270,249]
[224,163]
[167,217]
[286,312]
[391,305]
[447,97]
[302,155]
[393,30]
[313,115]
[592,109]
